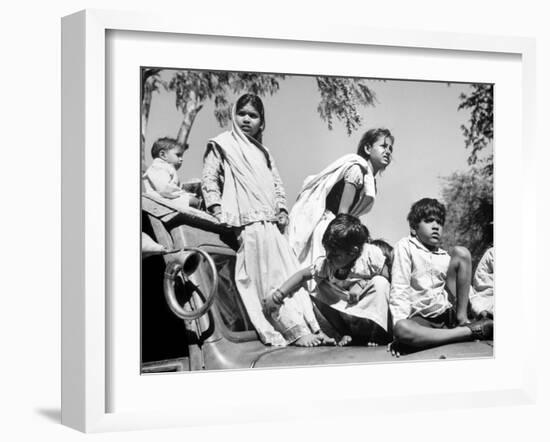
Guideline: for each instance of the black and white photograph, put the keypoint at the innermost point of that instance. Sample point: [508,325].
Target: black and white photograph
[302,220]
[275,220]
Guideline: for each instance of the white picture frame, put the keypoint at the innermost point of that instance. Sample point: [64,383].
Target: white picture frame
[86,316]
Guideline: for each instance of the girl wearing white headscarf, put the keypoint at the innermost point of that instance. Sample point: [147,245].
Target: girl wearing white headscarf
[242,188]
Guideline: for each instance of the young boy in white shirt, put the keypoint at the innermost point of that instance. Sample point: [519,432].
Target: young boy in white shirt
[161,177]
[424,277]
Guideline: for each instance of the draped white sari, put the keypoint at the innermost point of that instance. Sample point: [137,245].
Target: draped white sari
[309,216]
[309,219]
[264,259]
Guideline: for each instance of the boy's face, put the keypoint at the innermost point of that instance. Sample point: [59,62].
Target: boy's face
[429,232]
[341,258]
[173,156]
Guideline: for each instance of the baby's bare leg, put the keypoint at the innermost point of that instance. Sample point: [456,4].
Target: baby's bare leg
[459,276]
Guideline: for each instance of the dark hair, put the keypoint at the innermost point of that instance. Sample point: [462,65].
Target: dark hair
[370,137]
[345,232]
[165,144]
[386,249]
[424,209]
[256,103]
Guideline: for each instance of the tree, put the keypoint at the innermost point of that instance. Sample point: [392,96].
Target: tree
[469,195]
[194,88]
[340,97]
[150,82]
[469,200]
[479,132]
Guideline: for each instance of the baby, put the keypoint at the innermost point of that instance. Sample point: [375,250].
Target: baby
[161,178]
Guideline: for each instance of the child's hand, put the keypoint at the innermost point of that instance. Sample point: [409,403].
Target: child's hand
[282,221]
[273,303]
[216,212]
[359,290]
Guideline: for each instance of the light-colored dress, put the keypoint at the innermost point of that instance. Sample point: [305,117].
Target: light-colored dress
[482,296]
[240,175]
[310,216]
[347,295]
[161,180]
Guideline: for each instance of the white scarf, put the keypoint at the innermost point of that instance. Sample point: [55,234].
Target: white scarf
[310,204]
[249,190]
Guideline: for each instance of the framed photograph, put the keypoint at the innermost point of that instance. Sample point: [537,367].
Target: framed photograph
[157,121]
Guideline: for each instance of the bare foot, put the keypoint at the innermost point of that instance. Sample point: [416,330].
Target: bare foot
[372,344]
[344,341]
[462,320]
[311,340]
[325,340]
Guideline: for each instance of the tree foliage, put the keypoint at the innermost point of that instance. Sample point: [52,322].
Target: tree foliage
[478,134]
[194,88]
[469,195]
[150,82]
[341,98]
[469,200]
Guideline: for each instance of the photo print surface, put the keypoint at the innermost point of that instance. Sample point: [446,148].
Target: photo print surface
[293,220]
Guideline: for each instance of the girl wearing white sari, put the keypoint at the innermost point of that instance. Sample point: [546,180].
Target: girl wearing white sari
[242,188]
[347,186]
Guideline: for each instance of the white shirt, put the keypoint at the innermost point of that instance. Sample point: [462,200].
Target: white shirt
[418,280]
[482,297]
[162,178]
[369,264]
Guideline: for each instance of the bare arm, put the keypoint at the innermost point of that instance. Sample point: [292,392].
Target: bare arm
[296,281]
[291,285]
[348,195]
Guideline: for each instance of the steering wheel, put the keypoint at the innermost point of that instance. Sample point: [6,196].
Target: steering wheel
[185,264]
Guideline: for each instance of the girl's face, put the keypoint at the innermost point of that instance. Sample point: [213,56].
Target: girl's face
[341,258]
[380,153]
[249,120]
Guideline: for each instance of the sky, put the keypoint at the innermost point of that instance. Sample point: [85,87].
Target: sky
[422,116]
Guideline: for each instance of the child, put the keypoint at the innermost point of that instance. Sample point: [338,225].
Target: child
[242,188]
[161,178]
[348,185]
[387,251]
[350,293]
[423,277]
[482,297]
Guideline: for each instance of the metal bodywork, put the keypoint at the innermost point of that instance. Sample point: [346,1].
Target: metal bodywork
[213,342]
